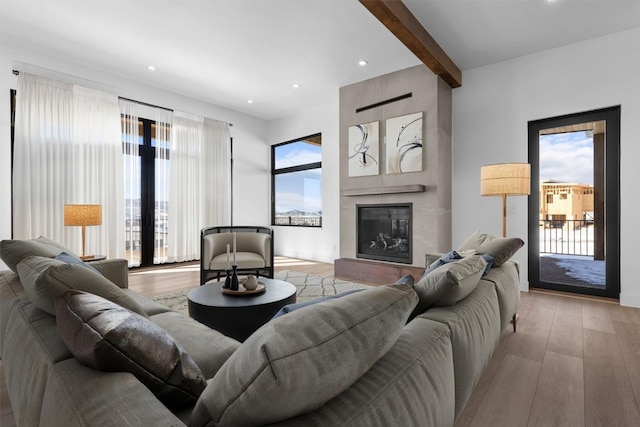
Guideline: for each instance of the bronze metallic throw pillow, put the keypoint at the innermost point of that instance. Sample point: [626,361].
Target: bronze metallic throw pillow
[108,337]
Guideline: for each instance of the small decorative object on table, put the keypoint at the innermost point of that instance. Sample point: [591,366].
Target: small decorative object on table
[251,283]
[244,292]
[234,278]
[227,280]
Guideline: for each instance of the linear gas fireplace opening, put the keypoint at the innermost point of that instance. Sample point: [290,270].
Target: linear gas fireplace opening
[384,232]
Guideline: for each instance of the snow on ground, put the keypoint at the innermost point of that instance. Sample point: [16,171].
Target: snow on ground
[581,267]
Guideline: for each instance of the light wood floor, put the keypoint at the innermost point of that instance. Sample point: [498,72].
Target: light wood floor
[573,362]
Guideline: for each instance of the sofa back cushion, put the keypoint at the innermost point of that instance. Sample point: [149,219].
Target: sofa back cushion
[14,251]
[107,337]
[449,283]
[45,278]
[296,363]
[500,248]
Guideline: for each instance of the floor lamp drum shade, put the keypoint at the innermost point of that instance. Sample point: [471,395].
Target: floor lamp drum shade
[512,179]
[83,215]
[505,179]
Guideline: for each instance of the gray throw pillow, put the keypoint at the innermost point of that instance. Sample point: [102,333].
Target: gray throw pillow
[46,278]
[449,283]
[14,251]
[296,363]
[500,248]
[107,337]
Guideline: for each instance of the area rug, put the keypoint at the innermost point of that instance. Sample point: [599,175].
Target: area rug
[309,287]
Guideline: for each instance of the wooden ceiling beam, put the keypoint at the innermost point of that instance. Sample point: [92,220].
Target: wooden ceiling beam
[394,15]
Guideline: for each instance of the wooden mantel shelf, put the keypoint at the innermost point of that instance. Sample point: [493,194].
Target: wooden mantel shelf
[414,188]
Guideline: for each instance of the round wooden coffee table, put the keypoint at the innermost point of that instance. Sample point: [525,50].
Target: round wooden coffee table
[238,316]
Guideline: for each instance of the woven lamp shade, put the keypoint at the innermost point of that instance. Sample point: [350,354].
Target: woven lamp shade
[512,179]
[82,215]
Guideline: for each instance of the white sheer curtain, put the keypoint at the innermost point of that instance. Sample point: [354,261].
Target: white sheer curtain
[41,158]
[162,142]
[200,185]
[67,151]
[131,210]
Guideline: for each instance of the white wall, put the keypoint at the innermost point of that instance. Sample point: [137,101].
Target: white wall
[490,115]
[318,244]
[251,150]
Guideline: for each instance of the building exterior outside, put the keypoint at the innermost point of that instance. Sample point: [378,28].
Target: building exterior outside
[561,201]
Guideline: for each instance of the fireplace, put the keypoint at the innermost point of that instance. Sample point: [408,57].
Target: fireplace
[384,232]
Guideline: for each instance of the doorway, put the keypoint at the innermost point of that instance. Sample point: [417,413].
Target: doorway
[574,214]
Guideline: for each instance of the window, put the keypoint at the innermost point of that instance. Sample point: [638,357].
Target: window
[296,182]
[549,198]
[146,191]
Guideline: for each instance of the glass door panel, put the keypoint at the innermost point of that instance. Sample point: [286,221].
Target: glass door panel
[574,213]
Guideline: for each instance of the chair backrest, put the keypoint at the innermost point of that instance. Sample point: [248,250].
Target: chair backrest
[214,241]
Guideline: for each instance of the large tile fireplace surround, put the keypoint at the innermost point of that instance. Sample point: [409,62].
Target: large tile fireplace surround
[390,221]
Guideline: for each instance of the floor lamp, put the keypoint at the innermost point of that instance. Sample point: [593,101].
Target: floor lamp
[505,179]
[83,215]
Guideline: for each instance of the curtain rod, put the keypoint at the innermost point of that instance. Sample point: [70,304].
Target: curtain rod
[153,106]
[16,72]
[145,103]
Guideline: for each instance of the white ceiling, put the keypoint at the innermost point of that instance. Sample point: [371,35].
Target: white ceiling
[226,52]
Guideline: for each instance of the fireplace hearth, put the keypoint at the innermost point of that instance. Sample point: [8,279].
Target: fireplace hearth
[384,232]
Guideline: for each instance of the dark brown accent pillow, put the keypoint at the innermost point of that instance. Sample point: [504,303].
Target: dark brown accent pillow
[107,337]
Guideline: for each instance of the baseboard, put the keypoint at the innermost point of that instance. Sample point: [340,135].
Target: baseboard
[630,300]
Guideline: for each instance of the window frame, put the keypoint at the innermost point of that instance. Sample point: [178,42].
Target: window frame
[292,169]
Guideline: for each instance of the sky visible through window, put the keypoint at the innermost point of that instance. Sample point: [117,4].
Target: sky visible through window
[301,191]
[567,157]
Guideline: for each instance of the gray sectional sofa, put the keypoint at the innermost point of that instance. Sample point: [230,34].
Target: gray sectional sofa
[376,357]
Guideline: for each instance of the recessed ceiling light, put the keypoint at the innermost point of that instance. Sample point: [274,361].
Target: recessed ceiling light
[151,68]
[250,101]
[295,85]
[362,63]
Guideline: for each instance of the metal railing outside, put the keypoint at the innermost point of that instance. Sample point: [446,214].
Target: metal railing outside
[301,221]
[567,237]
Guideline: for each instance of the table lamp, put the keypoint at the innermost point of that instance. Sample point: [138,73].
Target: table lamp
[505,179]
[83,215]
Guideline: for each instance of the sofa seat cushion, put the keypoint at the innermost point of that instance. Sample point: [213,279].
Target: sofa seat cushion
[14,251]
[44,279]
[500,248]
[148,306]
[107,337]
[244,260]
[449,283]
[207,347]
[274,376]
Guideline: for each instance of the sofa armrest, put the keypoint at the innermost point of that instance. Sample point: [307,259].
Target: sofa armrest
[116,270]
